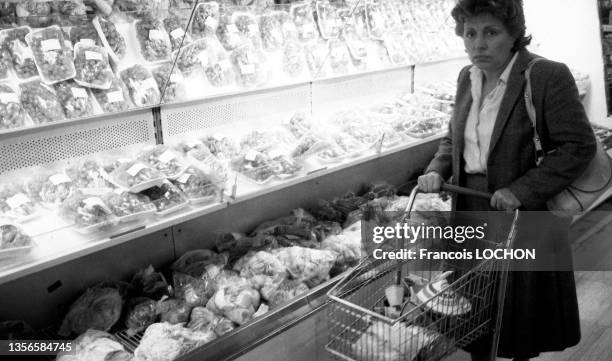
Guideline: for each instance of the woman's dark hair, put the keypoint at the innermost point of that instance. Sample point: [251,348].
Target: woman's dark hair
[509,12]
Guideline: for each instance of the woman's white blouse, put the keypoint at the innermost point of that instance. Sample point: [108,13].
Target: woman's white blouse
[481,119]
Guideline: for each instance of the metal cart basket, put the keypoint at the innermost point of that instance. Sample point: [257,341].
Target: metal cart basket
[444,305]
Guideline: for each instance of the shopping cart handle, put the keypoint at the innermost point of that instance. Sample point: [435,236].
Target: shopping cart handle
[465,191]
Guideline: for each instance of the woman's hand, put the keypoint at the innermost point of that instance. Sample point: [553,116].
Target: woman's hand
[430,182]
[504,200]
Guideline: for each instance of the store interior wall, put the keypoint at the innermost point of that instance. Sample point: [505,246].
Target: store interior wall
[569,31]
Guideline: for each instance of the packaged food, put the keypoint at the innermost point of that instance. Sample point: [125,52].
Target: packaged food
[164,160]
[354,41]
[339,57]
[50,187]
[111,38]
[349,145]
[12,114]
[5,62]
[87,174]
[167,198]
[360,21]
[391,15]
[40,102]
[396,51]
[299,124]
[113,99]
[289,30]
[88,213]
[367,135]
[51,54]
[138,8]
[197,186]
[154,40]
[141,313]
[150,283]
[285,167]
[248,27]
[293,58]
[217,65]
[192,56]
[248,65]
[255,166]
[316,56]
[271,31]
[13,42]
[8,17]
[302,15]
[14,242]
[175,26]
[136,176]
[205,19]
[87,34]
[98,308]
[36,14]
[141,86]
[213,167]
[264,141]
[228,33]
[170,81]
[329,22]
[75,99]
[221,146]
[186,145]
[331,154]
[310,266]
[309,144]
[92,67]
[375,20]
[129,206]
[69,13]
[15,203]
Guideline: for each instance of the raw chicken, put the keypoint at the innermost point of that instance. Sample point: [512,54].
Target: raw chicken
[164,341]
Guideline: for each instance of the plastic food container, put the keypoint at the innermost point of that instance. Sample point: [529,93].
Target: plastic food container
[115,98]
[255,166]
[89,214]
[197,186]
[86,34]
[14,242]
[329,22]
[167,198]
[92,67]
[13,41]
[164,160]
[12,114]
[129,207]
[52,56]
[16,205]
[271,31]
[175,27]
[154,40]
[75,99]
[50,188]
[205,19]
[375,21]
[248,65]
[141,86]
[136,176]
[301,13]
[170,81]
[40,101]
[192,56]
[112,40]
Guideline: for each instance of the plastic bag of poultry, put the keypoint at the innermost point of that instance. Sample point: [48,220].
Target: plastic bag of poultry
[235,299]
[307,265]
[94,345]
[261,268]
[173,311]
[141,313]
[164,341]
[149,283]
[194,291]
[277,294]
[194,262]
[99,308]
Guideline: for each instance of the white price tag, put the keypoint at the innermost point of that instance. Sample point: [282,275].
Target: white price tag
[88,42]
[17,200]
[79,92]
[177,33]
[167,156]
[94,201]
[211,22]
[247,69]
[50,57]
[58,179]
[253,28]
[115,96]
[176,78]
[93,55]
[184,178]
[50,45]
[251,155]
[135,169]
[9,98]
[156,34]
[232,29]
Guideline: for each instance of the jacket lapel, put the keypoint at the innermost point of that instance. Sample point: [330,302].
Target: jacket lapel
[463,103]
[514,92]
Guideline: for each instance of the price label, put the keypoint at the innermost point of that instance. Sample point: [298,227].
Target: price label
[251,155]
[88,42]
[17,200]
[79,92]
[184,178]
[167,156]
[50,56]
[93,55]
[9,98]
[177,33]
[247,69]
[59,178]
[157,35]
[253,28]
[115,96]
[211,22]
[232,29]
[50,45]
[135,169]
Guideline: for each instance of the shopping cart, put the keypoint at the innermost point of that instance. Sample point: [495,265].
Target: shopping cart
[445,305]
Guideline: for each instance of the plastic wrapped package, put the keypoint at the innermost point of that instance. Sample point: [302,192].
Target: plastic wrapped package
[317,53]
[248,27]
[348,249]
[167,198]
[255,166]
[163,159]
[236,300]
[14,242]
[15,204]
[217,64]
[227,32]
[149,283]
[203,319]
[328,20]
[8,17]
[95,345]
[154,40]
[285,167]
[6,61]
[205,19]
[12,114]
[308,265]
[351,35]
[98,308]
[141,313]
[173,311]
[170,82]
[195,262]
[164,341]
[308,145]
[113,99]
[75,99]
[50,187]
[221,147]
[136,176]
[138,8]
[92,66]
[332,154]
[249,66]
[129,207]
[190,57]
[289,30]
[89,213]
[141,86]
[264,141]
[391,15]
[36,14]
[87,34]
[271,31]
[293,58]
[302,15]
[112,39]
[375,20]
[339,57]
[13,42]
[195,292]
[198,187]
[87,174]
[211,167]
[396,50]
[175,26]
[282,292]
[261,269]
[71,12]
[299,125]
[51,54]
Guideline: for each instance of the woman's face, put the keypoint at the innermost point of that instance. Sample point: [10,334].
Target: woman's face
[487,42]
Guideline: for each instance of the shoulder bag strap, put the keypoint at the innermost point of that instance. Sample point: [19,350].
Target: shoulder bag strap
[531,111]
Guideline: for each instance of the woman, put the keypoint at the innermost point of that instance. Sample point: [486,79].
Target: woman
[489,147]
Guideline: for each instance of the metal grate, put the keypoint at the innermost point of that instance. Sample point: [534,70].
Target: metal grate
[248,107]
[77,140]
